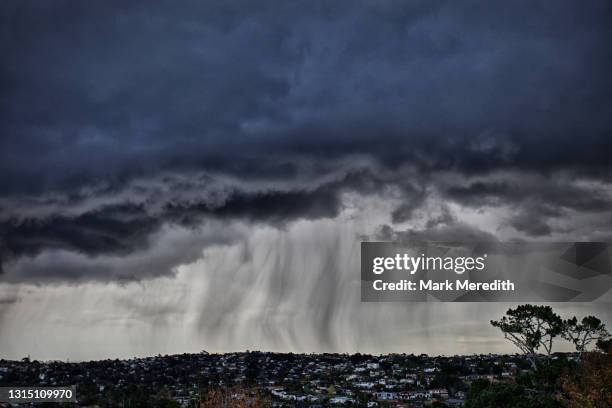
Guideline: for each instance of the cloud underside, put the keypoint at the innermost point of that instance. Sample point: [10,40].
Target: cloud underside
[152,226]
[132,137]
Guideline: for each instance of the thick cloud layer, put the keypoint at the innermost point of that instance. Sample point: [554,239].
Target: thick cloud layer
[111,90]
[290,101]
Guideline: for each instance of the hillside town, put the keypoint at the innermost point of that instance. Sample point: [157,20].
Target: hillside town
[282,380]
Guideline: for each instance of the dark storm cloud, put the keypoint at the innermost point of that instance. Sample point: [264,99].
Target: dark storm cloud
[454,231]
[113,229]
[272,206]
[119,230]
[404,211]
[95,96]
[128,227]
[531,223]
[563,193]
[116,89]
[536,199]
[8,300]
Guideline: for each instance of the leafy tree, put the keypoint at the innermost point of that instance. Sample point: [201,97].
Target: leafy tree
[531,328]
[483,394]
[546,377]
[605,345]
[583,333]
[591,385]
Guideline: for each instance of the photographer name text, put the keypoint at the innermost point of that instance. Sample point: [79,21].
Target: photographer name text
[447,285]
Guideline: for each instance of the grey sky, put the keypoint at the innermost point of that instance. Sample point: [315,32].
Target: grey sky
[142,143]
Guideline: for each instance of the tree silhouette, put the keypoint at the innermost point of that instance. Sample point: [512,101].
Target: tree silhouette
[589,330]
[531,328]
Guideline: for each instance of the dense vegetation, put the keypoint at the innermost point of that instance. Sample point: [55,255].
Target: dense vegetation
[552,382]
